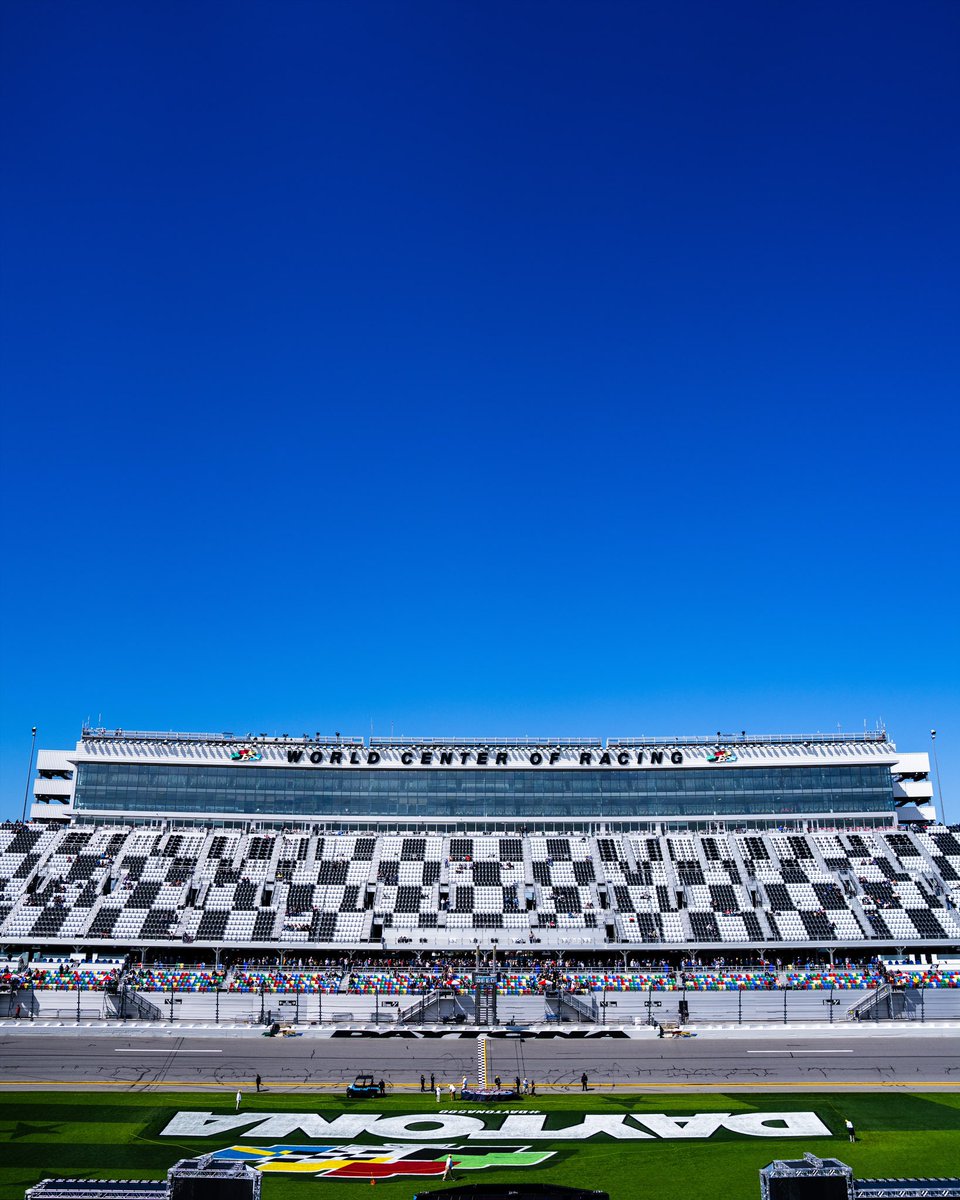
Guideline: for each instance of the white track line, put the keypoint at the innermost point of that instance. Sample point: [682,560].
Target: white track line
[799,1051]
[117,1050]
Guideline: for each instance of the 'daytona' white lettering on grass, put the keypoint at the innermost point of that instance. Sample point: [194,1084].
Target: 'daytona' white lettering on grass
[425,1127]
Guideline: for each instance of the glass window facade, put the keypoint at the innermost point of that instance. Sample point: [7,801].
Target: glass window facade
[500,794]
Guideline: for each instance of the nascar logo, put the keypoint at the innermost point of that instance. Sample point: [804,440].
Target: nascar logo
[378,1162]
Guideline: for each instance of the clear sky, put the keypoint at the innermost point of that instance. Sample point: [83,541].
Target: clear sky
[480,368]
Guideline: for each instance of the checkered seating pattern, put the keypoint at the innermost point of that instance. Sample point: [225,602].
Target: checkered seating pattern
[564,874]
[124,884]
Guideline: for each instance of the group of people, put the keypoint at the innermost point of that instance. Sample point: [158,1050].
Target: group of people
[522,1087]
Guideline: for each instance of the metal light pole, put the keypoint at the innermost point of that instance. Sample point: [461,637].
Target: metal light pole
[936,765]
[26,790]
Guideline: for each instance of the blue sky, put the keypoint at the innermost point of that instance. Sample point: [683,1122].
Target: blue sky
[479,369]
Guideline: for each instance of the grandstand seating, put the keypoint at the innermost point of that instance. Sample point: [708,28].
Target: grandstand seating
[931,978]
[121,885]
[277,980]
[178,979]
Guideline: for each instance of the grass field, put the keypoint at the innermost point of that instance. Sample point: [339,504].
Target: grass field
[116,1136]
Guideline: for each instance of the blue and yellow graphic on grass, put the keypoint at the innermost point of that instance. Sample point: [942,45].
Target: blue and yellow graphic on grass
[379,1162]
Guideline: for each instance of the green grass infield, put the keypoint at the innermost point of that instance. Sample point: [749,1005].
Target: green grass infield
[93,1135]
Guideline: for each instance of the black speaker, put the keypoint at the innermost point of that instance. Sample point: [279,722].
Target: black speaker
[203,1187]
[808,1187]
[207,1179]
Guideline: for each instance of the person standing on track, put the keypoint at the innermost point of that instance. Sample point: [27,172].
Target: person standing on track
[583,1082]
[433,1082]
[258,1082]
[423,1083]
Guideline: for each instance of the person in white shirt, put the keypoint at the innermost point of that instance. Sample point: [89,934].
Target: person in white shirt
[239,1098]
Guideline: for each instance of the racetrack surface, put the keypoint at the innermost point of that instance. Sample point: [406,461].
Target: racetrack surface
[40,1060]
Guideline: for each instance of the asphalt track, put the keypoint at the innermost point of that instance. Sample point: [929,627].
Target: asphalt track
[310,1065]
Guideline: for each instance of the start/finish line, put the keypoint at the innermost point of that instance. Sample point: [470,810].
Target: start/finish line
[494,1127]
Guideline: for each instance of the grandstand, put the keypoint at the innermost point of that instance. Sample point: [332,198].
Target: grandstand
[181,847]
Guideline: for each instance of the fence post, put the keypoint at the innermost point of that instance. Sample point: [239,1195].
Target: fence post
[171,1000]
[296,1010]
[78,1002]
[831,1006]
[922,1013]
[739,1006]
[216,992]
[784,1006]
